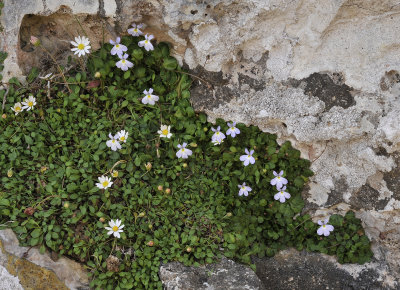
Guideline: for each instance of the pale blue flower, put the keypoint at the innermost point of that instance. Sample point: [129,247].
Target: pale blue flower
[233,131]
[279,181]
[183,152]
[244,189]
[218,135]
[123,63]
[325,229]
[247,158]
[118,48]
[282,195]
[135,30]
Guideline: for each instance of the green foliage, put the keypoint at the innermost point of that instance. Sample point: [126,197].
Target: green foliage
[58,151]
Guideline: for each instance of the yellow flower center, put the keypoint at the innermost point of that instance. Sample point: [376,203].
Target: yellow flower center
[165,132]
[146,41]
[123,61]
[117,45]
[17,109]
[324,226]
[183,149]
[30,104]
[122,138]
[81,46]
[149,96]
[282,192]
[135,30]
[217,133]
[278,177]
[115,228]
[243,187]
[105,183]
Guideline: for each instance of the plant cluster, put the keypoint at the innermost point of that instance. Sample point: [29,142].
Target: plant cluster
[169,193]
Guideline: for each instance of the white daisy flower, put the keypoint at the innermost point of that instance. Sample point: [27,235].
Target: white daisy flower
[146,43]
[29,103]
[183,152]
[149,98]
[325,229]
[113,143]
[135,30]
[165,131]
[247,158]
[279,181]
[122,135]
[282,195]
[118,48]
[115,228]
[82,45]
[123,63]
[244,189]
[233,131]
[104,182]
[17,108]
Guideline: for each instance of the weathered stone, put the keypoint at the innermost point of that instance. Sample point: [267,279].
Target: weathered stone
[291,269]
[224,275]
[37,271]
[322,74]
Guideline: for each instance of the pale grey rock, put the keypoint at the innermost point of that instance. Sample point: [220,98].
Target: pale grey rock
[224,275]
[8,281]
[322,74]
[71,273]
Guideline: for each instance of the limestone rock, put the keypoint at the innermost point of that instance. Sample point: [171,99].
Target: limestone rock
[224,275]
[37,271]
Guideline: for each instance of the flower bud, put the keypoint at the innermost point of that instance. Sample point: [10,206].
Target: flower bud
[102,220]
[150,226]
[188,249]
[229,214]
[205,129]
[58,110]
[142,214]
[43,169]
[4,116]
[150,243]
[29,211]
[10,173]
[168,191]
[148,166]
[193,144]
[66,204]
[185,165]
[35,41]
[97,74]
[160,187]
[114,173]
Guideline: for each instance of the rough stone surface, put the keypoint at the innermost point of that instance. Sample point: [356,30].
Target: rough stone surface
[224,275]
[322,74]
[8,281]
[37,271]
[291,269]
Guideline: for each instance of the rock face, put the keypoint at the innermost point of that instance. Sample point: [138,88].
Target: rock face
[291,269]
[33,270]
[322,74]
[224,275]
